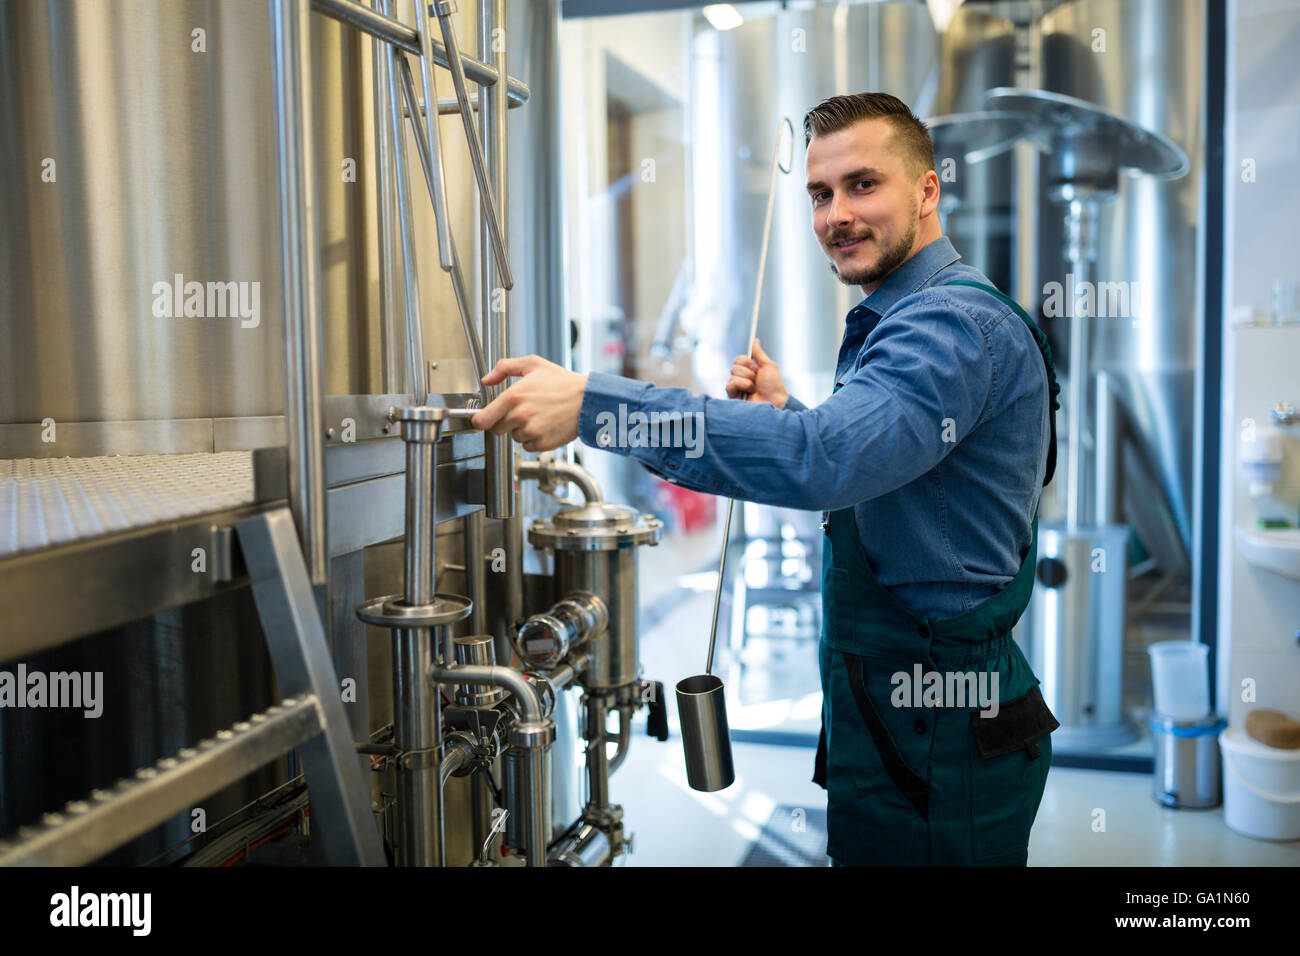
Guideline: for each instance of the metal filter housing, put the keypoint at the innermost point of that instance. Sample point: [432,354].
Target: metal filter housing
[595,552]
[595,527]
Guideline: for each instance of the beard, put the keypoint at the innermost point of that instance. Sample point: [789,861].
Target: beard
[891,257]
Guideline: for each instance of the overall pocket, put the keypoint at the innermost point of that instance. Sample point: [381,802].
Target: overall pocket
[1010,756]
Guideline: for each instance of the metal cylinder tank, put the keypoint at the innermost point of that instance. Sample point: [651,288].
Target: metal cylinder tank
[742,82]
[1144,62]
[978,53]
[595,552]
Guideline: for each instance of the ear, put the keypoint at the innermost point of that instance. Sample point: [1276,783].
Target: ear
[929,193]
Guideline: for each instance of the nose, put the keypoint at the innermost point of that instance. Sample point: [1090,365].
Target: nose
[837,211]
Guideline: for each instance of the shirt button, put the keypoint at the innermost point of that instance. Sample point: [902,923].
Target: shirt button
[919,726]
[603,439]
[672,465]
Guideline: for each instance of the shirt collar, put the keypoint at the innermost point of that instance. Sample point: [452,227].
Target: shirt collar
[911,276]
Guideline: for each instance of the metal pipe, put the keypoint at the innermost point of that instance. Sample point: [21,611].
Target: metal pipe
[475,576]
[416,726]
[530,702]
[537,788]
[544,639]
[417,705]
[587,847]
[552,471]
[527,764]
[304,405]
[624,738]
[458,752]
[431,163]
[386,213]
[499,450]
[486,195]
[449,106]
[421,487]
[428,136]
[597,760]
[383,27]
[416,370]
[564,675]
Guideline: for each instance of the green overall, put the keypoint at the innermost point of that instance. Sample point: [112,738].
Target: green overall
[910,783]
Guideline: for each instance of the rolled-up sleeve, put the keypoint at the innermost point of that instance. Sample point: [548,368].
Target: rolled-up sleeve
[922,385]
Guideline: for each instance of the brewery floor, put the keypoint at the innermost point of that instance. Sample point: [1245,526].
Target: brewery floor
[675,826]
[773,688]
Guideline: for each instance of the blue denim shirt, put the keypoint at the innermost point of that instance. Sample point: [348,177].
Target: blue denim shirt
[937,438]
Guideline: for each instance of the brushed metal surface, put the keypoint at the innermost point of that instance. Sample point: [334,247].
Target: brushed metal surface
[1152,74]
[743,81]
[53,501]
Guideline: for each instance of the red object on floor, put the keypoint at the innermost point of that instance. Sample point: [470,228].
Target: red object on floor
[691,510]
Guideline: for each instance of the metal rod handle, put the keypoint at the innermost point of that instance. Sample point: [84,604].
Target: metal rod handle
[304,403]
[431,141]
[416,370]
[486,200]
[777,166]
[432,165]
[383,27]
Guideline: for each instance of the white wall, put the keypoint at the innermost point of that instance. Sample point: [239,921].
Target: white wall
[1259,611]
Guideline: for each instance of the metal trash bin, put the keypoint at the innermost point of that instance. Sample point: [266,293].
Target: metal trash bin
[1187,774]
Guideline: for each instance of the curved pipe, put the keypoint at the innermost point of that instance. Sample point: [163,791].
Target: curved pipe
[530,702]
[549,472]
[624,738]
[460,751]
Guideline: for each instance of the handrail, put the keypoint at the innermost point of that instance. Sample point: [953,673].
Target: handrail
[400,35]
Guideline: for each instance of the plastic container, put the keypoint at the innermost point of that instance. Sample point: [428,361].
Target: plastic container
[1180,679]
[1261,787]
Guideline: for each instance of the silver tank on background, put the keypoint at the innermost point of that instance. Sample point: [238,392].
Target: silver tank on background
[1151,73]
[743,81]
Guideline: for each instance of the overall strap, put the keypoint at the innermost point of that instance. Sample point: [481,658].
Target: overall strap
[1053,387]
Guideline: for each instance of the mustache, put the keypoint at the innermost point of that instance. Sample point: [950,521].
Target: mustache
[845,237]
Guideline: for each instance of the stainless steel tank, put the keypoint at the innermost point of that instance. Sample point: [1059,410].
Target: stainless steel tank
[978,53]
[742,82]
[1150,72]
[137,143]
[163,164]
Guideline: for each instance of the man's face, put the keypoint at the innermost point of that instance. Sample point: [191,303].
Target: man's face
[865,202]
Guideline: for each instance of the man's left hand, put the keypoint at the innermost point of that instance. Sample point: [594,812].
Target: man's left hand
[540,411]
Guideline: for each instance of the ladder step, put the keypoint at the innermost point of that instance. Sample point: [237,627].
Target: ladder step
[87,829]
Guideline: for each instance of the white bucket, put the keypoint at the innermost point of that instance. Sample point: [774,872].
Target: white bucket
[1180,679]
[1261,787]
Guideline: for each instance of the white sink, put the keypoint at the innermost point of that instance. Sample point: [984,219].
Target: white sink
[1276,550]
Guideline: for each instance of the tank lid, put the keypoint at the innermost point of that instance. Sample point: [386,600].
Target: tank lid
[595,527]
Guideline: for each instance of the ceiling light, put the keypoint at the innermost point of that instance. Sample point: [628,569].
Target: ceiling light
[723,16]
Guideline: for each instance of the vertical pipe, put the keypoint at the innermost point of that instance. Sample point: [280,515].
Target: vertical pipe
[417,372]
[417,716]
[476,577]
[597,760]
[538,780]
[384,103]
[499,449]
[1080,225]
[291,78]
[416,720]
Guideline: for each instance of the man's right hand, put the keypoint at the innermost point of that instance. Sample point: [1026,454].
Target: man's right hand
[757,379]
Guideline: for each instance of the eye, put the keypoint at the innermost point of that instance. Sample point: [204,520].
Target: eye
[819,197]
[867,182]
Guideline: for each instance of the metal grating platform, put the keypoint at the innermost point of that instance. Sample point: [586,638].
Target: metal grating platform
[52,501]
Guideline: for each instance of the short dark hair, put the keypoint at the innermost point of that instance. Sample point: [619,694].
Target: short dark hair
[839,112]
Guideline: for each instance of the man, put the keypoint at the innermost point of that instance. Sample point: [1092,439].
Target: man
[929,459]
